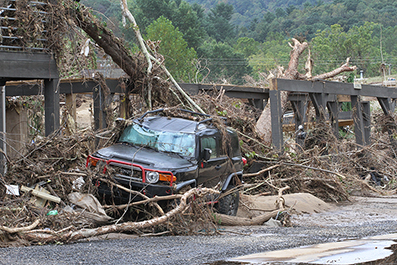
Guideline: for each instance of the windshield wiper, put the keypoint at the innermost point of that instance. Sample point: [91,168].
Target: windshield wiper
[127,143]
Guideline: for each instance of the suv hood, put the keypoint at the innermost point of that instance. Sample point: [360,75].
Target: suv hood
[148,158]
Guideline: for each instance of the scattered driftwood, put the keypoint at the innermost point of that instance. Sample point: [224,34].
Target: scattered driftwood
[309,171]
[146,201]
[20,229]
[56,236]
[261,171]
[136,193]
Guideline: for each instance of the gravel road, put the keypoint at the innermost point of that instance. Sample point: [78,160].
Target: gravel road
[362,218]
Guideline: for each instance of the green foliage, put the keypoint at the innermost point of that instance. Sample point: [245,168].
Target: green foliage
[178,57]
[238,37]
[250,155]
[274,52]
[346,106]
[187,21]
[247,46]
[218,24]
[332,46]
[224,63]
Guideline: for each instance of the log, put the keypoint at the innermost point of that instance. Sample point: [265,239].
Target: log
[112,46]
[41,194]
[20,229]
[261,171]
[344,68]
[223,219]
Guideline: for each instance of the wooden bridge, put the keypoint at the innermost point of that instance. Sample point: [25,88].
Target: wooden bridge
[18,63]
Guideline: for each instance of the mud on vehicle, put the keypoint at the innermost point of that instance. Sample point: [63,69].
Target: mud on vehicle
[162,155]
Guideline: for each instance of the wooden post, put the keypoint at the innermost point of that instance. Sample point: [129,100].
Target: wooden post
[319,104]
[3,161]
[333,111]
[299,114]
[124,103]
[51,99]
[99,108]
[367,122]
[70,103]
[276,115]
[358,120]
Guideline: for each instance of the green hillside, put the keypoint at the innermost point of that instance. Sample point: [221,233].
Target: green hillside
[248,10]
[230,39]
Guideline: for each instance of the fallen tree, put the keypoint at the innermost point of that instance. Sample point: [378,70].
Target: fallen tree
[263,125]
[49,159]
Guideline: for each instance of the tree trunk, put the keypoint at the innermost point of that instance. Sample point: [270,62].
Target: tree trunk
[223,219]
[112,45]
[263,125]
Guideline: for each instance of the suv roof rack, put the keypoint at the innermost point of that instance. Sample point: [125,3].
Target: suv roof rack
[209,118]
[162,110]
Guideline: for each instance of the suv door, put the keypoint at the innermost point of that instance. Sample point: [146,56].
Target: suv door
[212,171]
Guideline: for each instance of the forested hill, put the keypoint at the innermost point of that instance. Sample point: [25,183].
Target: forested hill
[248,10]
[239,40]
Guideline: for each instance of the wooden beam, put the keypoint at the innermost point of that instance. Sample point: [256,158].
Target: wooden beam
[336,88]
[21,65]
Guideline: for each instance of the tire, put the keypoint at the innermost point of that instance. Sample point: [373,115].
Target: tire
[229,204]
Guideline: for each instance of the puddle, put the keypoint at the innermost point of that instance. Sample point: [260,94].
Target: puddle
[374,250]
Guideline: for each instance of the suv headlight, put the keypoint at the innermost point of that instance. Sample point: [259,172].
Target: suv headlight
[152,176]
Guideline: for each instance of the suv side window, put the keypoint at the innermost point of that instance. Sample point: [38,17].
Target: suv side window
[209,142]
[235,145]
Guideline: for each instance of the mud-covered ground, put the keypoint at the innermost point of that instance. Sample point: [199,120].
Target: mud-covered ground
[360,218]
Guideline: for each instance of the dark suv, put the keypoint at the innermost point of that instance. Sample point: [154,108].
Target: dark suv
[160,155]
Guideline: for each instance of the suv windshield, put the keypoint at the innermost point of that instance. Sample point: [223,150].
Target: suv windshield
[174,142]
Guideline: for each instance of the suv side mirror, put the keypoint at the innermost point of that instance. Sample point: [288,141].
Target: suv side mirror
[206,154]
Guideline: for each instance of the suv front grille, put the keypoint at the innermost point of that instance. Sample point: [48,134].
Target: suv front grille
[124,171]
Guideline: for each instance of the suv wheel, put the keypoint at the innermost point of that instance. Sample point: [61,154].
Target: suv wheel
[229,204]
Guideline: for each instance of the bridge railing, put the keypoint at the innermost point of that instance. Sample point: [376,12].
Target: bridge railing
[23,25]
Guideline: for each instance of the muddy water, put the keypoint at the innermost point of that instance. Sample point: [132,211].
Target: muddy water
[346,252]
[370,250]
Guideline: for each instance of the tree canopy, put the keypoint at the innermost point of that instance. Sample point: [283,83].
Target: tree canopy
[253,34]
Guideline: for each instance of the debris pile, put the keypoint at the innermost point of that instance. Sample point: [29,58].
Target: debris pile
[48,195]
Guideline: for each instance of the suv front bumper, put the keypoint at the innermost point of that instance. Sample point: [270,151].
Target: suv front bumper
[123,196]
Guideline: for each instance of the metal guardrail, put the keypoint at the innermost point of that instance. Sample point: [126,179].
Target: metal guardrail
[10,32]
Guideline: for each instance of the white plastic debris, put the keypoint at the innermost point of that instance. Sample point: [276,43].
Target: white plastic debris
[12,190]
[78,183]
